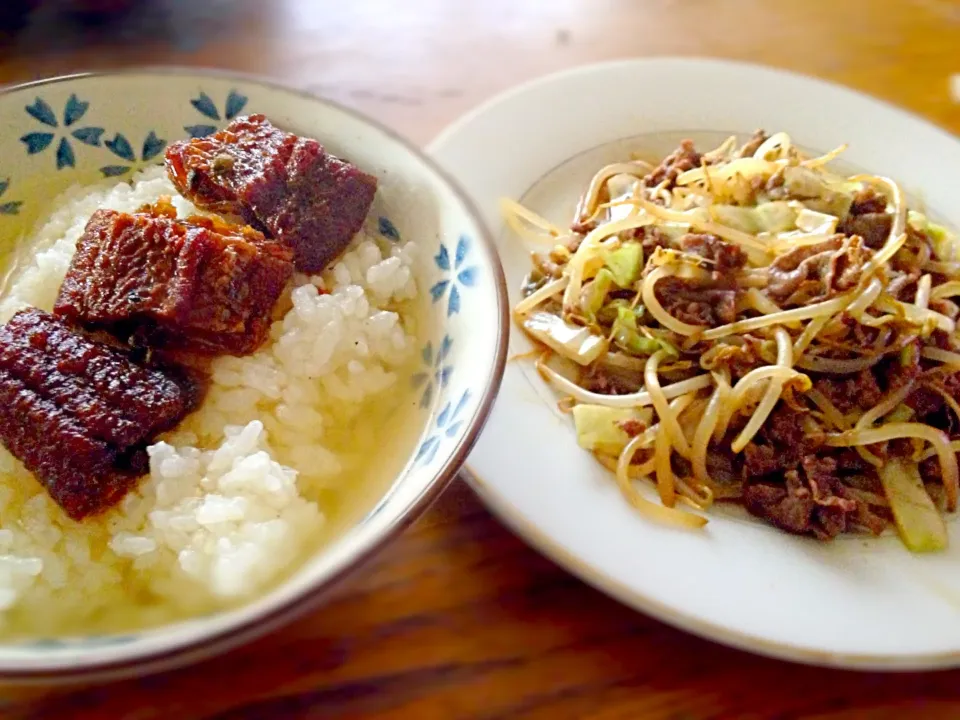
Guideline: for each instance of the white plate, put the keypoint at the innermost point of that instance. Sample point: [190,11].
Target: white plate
[854,602]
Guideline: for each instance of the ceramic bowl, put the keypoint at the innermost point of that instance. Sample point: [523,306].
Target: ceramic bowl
[85,128]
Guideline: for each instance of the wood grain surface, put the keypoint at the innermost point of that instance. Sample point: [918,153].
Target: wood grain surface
[458,619]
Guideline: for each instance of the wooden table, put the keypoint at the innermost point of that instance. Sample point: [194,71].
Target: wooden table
[458,619]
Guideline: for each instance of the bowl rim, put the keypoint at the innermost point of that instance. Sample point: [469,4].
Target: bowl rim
[203,646]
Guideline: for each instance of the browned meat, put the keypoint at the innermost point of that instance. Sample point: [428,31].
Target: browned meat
[198,284]
[651,238]
[572,243]
[694,303]
[602,380]
[795,483]
[545,266]
[789,505]
[738,358]
[944,307]
[78,413]
[874,228]
[903,285]
[750,147]
[679,161]
[632,427]
[302,195]
[851,392]
[775,185]
[761,460]
[849,461]
[902,369]
[782,441]
[809,500]
[817,272]
[821,473]
[785,427]
[868,201]
[929,405]
[930,471]
[924,402]
[726,258]
[867,218]
[788,270]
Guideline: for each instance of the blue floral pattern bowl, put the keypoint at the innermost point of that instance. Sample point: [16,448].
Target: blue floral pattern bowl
[85,128]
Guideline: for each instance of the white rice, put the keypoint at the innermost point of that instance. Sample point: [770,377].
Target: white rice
[235,496]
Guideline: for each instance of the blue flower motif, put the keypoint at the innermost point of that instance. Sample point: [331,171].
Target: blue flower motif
[459,276]
[121,147]
[8,208]
[205,105]
[448,425]
[73,111]
[388,229]
[437,372]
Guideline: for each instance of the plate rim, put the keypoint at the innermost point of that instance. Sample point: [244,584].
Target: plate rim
[540,540]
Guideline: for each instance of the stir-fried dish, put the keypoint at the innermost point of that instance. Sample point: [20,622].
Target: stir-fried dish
[747,325]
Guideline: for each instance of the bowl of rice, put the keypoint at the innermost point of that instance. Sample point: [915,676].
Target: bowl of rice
[304,456]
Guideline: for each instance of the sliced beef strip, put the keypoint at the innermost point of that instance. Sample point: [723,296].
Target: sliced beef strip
[692,302]
[795,483]
[726,258]
[809,500]
[750,147]
[789,505]
[868,201]
[867,218]
[851,392]
[820,271]
[673,165]
[873,228]
[651,238]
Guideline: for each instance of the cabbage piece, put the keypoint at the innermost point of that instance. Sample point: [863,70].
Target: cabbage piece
[594,294]
[772,217]
[819,193]
[674,230]
[943,241]
[600,428]
[627,335]
[901,413]
[607,315]
[571,341]
[736,217]
[625,263]
[831,203]
[816,223]
[802,182]
[918,521]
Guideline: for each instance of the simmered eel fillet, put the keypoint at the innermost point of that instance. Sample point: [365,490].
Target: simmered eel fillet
[298,192]
[79,413]
[196,284]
